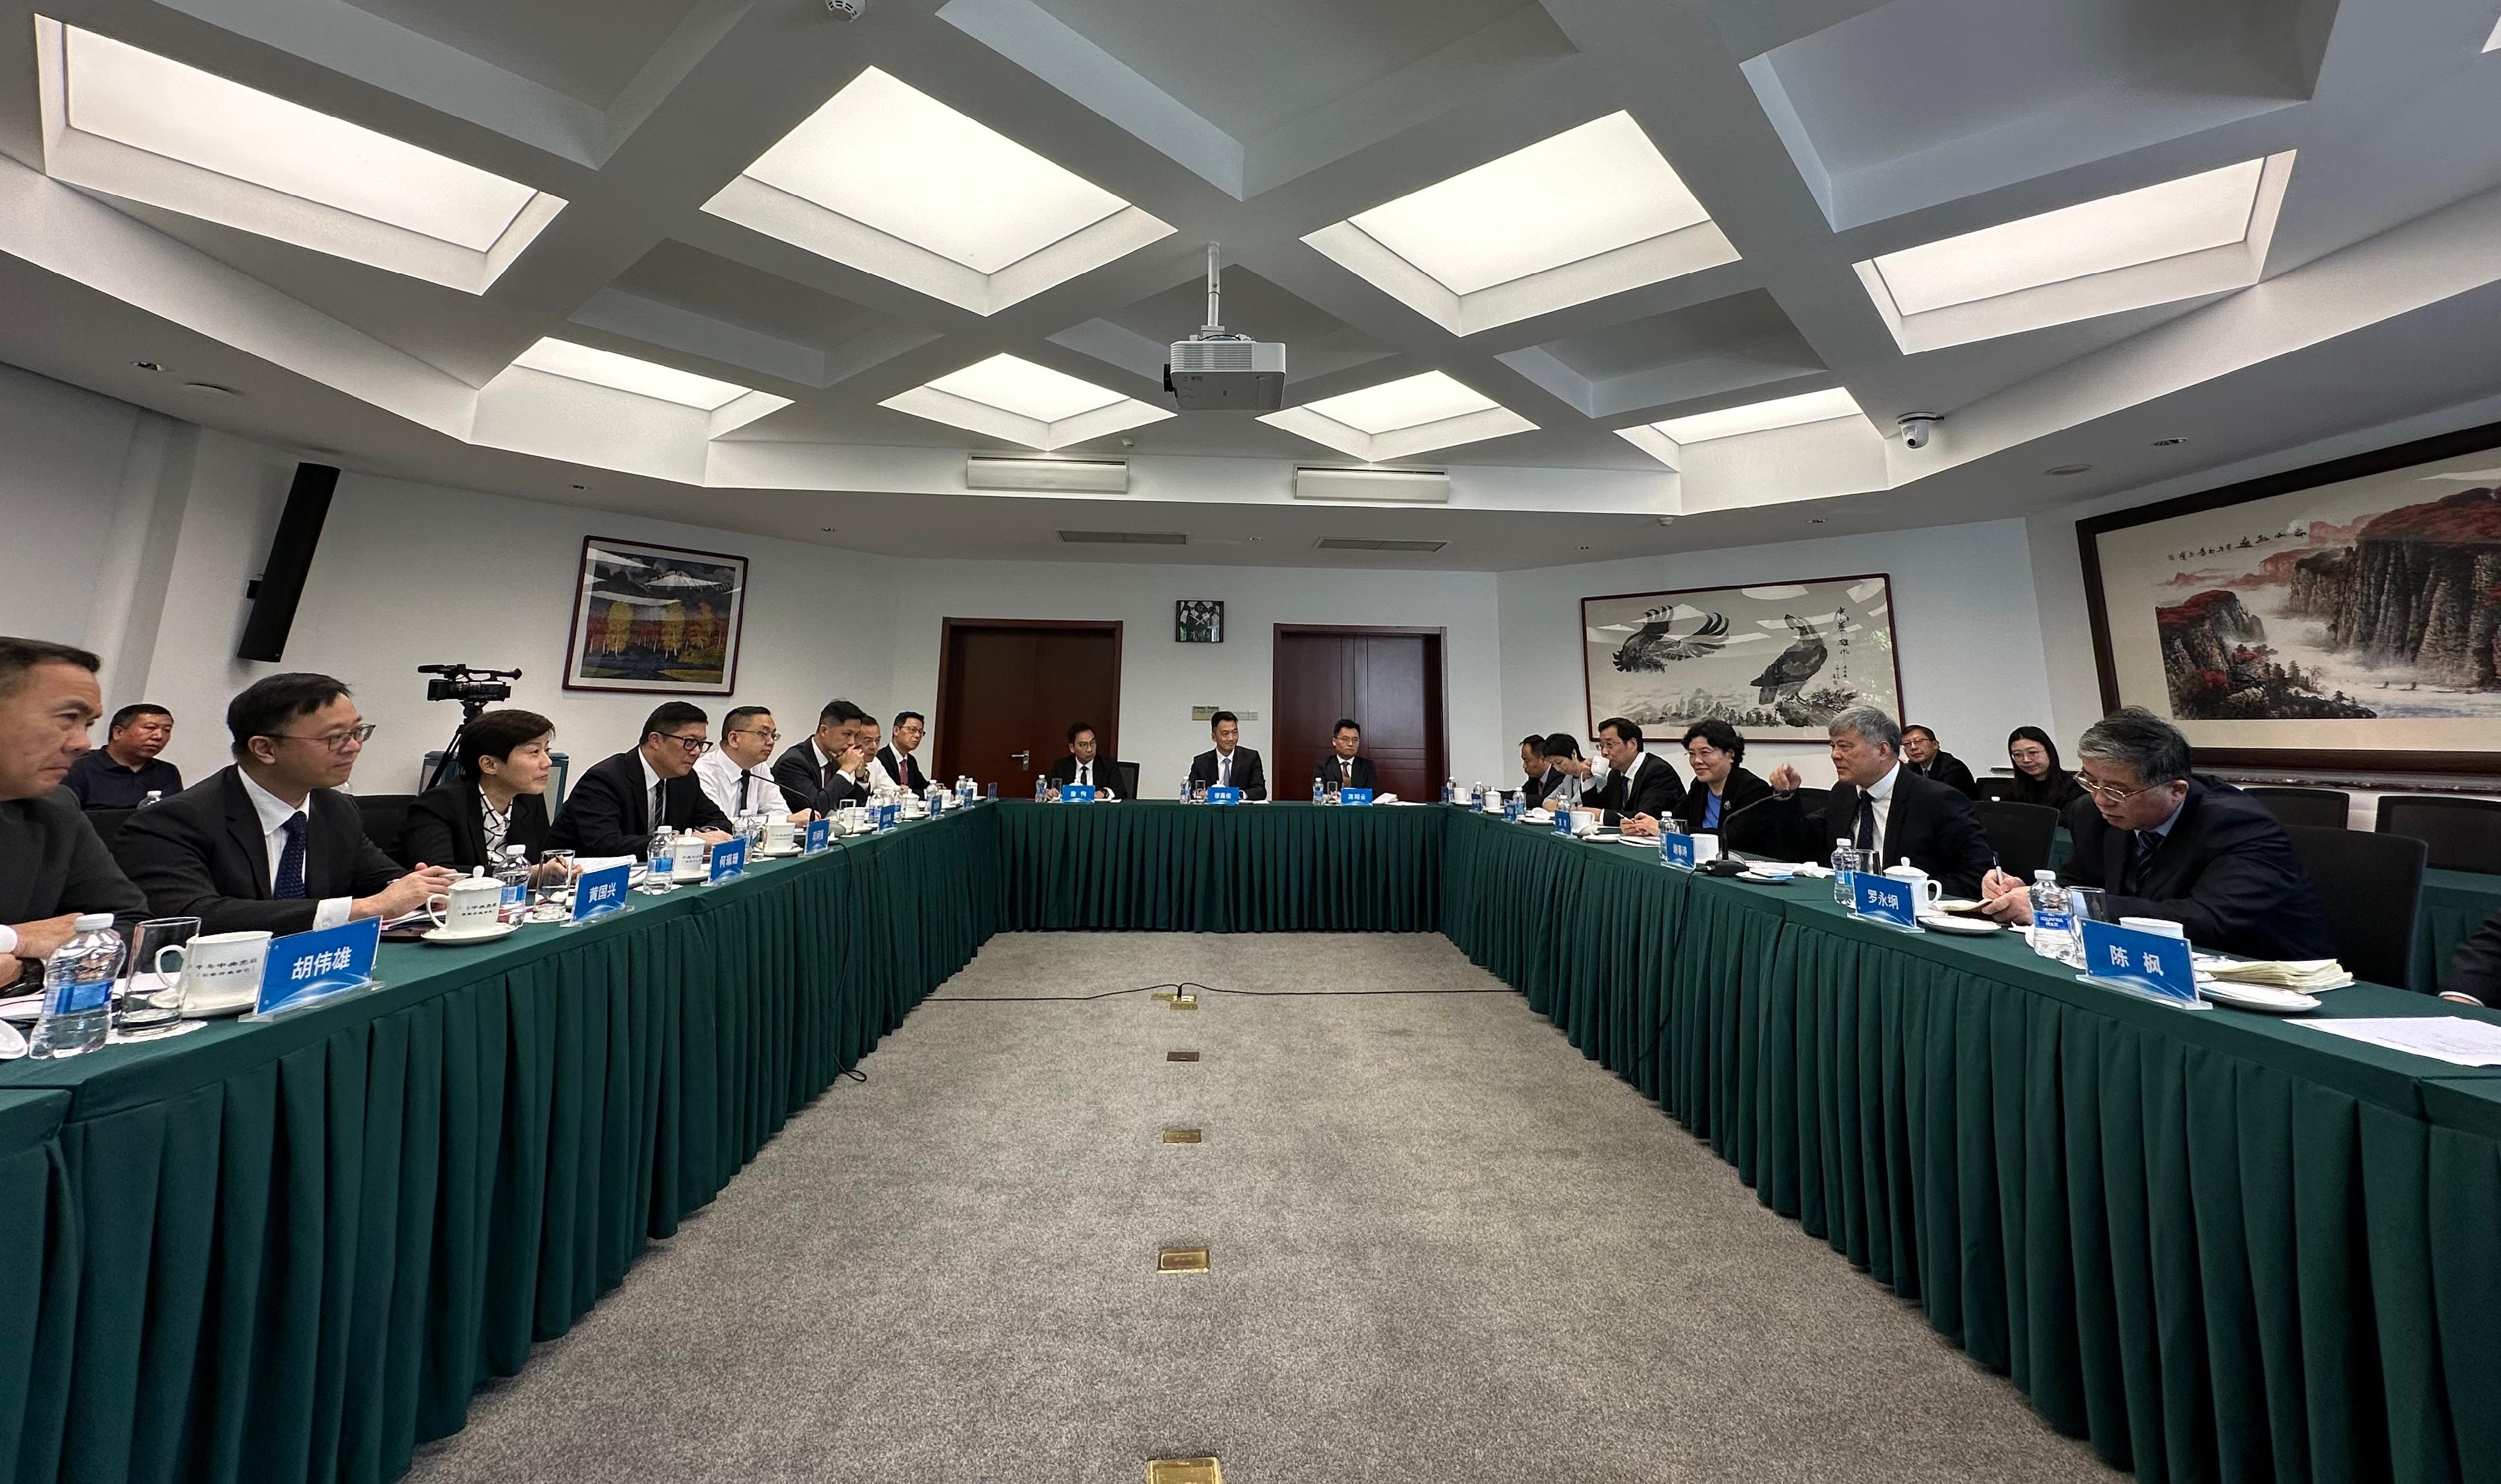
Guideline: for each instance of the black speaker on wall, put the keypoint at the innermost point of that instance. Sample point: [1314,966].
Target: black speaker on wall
[290,561]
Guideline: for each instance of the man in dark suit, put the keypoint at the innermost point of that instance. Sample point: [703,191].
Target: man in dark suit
[1641,789]
[896,758]
[1921,755]
[269,843]
[1087,762]
[52,867]
[623,800]
[830,768]
[2475,969]
[1342,768]
[1534,780]
[1229,764]
[2164,843]
[498,801]
[1879,803]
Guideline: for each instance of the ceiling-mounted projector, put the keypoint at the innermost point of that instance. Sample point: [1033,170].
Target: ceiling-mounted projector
[1215,371]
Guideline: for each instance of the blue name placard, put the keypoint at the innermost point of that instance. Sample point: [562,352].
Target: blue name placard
[1881,899]
[1562,821]
[308,966]
[821,834]
[728,860]
[2152,963]
[1077,793]
[600,892]
[1224,796]
[1510,807]
[937,804]
[1355,796]
[1677,850]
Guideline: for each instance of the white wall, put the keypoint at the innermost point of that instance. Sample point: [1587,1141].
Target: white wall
[1161,680]
[1966,631]
[59,479]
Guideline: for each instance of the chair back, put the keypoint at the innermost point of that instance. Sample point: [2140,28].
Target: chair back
[2329,809]
[2463,834]
[1811,802]
[386,819]
[1128,773]
[1992,786]
[2372,885]
[108,823]
[2019,833]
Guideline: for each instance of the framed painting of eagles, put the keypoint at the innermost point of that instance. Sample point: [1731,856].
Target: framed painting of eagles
[1775,661]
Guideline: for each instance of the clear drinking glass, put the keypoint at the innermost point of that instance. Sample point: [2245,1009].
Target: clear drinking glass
[148,997]
[548,895]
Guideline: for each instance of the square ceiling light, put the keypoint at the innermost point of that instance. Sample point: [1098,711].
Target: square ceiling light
[1013,398]
[894,182]
[1593,210]
[1397,418]
[730,405]
[146,128]
[2201,234]
[1666,441]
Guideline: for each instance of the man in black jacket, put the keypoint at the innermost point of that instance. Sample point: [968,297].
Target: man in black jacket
[52,867]
[1641,789]
[1921,755]
[1879,803]
[1087,762]
[2164,843]
[270,843]
[1229,764]
[1342,768]
[623,800]
[896,758]
[829,769]
[2475,969]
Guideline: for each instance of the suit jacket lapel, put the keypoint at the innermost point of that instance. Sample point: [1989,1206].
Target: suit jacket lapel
[637,807]
[243,824]
[473,806]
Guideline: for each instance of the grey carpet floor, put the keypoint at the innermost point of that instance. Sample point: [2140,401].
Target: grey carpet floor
[1445,1247]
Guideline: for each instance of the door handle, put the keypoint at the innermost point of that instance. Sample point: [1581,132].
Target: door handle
[1023,759]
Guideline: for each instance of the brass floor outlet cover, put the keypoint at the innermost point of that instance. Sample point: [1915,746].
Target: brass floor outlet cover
[1184,1470]
[1181,1260]
[1181,1056]
[1164,995]
[1181,1136]
[1186,1003]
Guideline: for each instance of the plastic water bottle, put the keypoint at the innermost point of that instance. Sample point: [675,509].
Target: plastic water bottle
[154,795]
[1318,792]
[515,879]
[1185,789]
[1845,865]
[1041,787]
[663,840]
[77,989]
[1450,790]
[2053,926]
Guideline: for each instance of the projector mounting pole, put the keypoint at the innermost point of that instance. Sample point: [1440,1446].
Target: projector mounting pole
[1214,291]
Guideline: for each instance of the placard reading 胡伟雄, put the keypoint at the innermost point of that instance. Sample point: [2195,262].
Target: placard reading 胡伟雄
[307,967]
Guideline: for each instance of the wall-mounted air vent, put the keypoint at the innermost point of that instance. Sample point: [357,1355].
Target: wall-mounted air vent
[1358,543]
[1127,537]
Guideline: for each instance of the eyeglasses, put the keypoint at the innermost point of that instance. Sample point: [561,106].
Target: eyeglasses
[2111,793]
[767,733]
[336,742]
[695,747]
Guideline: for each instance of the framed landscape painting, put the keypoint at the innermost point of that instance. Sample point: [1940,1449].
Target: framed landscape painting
[1777,661]
[2345,616]
[655,618]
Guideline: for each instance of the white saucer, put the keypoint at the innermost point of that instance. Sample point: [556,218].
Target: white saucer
[213,1012]
[1968,927]
[778,855]
[2262,997]
[449,938]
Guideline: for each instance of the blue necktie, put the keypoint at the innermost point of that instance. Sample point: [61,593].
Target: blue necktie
[1866,821]
[291,861]
[2140,856]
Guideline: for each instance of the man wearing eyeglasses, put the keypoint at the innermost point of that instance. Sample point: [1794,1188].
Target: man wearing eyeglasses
[2162,842]
[269,843]
[622,800]
[733,775]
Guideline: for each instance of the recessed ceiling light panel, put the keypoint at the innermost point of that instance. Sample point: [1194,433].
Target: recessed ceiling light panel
[1397,418]
[1590,211]
[1666,441]
[1009,397]
[623,373]
[2201,234]
[143,127]
[893,182]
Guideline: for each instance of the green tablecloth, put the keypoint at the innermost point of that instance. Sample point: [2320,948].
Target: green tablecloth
[2216,1245]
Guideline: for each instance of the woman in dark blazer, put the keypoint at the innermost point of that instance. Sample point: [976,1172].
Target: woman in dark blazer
[1720,788]
[499,799]
[2038,776]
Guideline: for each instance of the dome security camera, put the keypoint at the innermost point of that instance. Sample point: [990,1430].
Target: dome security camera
[1917,428]
[848,9]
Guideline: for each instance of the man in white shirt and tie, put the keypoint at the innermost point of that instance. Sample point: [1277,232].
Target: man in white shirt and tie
[734,773]
[1342,768]
[1087,764]
[1229,764]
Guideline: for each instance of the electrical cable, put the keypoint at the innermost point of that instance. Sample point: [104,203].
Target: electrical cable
[1185,984]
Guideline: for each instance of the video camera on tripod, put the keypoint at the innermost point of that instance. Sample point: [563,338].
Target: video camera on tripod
[476,690]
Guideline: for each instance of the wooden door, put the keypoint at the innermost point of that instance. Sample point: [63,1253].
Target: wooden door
[1388,681]
[1009,689]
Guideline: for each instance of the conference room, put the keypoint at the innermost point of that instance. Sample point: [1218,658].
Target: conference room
[1053,740]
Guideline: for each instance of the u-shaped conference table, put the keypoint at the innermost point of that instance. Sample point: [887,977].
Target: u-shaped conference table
[2220,1246]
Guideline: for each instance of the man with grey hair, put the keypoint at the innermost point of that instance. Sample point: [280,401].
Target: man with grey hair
[1880,804]
[2163,842]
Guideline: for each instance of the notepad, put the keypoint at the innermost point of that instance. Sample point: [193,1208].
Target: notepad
[2452,1038]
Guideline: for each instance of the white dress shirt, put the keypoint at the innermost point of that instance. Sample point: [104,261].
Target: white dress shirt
[1881,798]
[273,813]
[719,775]
[877,774]
[1224,768]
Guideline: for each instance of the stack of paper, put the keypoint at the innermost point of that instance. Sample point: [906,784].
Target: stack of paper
[2306,975]
[2450,1038]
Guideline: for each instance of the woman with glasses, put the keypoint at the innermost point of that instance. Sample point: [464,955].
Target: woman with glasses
[2038,776]
[498,801]
[1722,788]
[621,800]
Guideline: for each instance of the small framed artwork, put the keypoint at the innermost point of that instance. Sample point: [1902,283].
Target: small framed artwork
[1198,621]
[655,618]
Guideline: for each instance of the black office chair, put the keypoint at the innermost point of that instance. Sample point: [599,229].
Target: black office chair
[2329,809]
[1128,772]
[386,819]
[108,823]
[2463,834]
[1811,802]
[2019,833]
[2372,885]
[1991,786]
